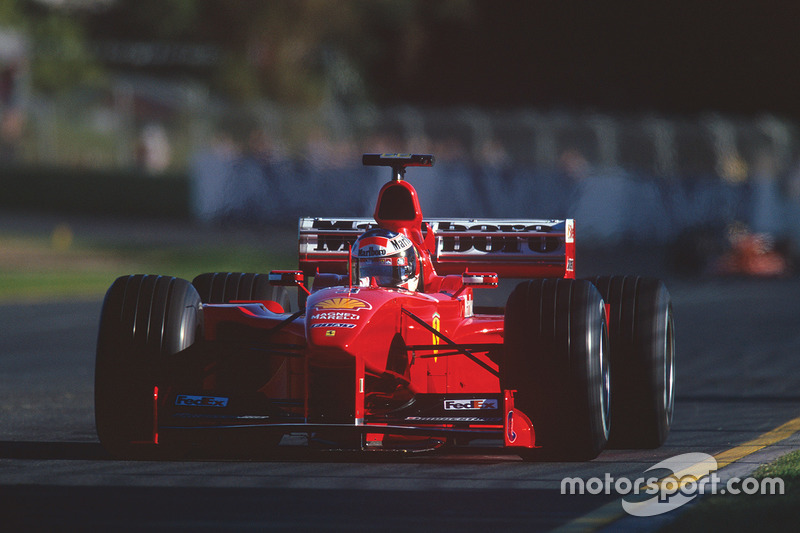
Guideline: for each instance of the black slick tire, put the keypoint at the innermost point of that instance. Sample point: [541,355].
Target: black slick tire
[555,343]
[144,320]
[642,360]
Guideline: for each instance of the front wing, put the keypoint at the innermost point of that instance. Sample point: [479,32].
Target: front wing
[449,418]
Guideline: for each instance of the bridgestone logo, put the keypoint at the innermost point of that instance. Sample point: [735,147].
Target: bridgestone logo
[201,401]
[470,405]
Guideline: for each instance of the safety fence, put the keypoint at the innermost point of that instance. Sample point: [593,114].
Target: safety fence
[631,178]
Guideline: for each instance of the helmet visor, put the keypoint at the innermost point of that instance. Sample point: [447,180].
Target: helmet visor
[388,271]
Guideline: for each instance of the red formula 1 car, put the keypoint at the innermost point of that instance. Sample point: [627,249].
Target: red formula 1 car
[388,350]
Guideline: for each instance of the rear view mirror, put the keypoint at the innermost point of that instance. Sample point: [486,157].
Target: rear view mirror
[479,279]
[286,278]
[289,278]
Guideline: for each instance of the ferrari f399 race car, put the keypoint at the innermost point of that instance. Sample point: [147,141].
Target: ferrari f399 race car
[387,349]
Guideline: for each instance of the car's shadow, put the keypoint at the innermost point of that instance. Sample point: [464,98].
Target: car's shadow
[94,451]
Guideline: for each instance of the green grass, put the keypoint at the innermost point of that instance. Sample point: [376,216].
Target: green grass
[187,262]
[38,269]
[41,286]
[755,512]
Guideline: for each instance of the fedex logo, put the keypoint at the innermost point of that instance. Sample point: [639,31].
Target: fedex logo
[201,401]
[470,404]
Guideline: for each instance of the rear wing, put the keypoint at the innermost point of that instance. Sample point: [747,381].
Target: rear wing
[512,248]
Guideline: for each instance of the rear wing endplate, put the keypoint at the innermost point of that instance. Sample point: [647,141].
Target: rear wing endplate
[513,248]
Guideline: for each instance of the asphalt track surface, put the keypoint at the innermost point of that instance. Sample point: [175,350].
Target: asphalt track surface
[737,348]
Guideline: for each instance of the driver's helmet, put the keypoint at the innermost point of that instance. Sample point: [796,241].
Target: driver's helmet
[387,257]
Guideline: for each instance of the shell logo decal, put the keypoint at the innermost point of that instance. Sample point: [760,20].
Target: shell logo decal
[343,303]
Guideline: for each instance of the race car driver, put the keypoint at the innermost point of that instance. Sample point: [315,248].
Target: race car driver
[387,259]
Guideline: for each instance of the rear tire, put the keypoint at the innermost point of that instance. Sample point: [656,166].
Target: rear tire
[224,287]
[642,360]
[144,320]
[555,358]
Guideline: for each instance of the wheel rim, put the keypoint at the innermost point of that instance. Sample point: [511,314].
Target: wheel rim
[669,370]
[605,379]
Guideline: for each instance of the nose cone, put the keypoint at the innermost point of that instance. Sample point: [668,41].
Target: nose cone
[335,317]
[334,321]
[342,322]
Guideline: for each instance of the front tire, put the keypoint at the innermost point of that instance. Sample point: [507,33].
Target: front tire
[144,320]
[556,360]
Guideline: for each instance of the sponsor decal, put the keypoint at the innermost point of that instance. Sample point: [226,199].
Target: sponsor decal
[201,401]
[483,419]
[330,333]
[371,252]
[333,325]
[496,237]
[343,303]
[491,236]
[470,404]
[348,290]
[334,243]
[335,315]
[391,261]
[400,242]
[380,246]
[569,232]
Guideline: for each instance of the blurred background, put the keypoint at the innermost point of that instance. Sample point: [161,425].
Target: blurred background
[669,125]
